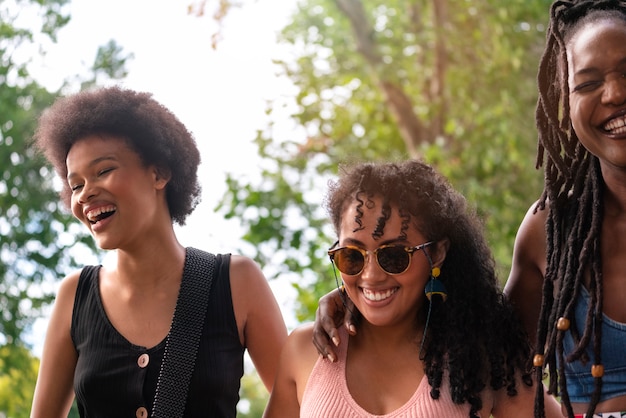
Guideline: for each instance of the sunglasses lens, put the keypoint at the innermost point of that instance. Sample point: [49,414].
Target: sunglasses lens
[349,261]
[393,260]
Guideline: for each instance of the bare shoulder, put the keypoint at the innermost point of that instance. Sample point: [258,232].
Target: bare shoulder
[530,240]
[297,359]
[61,318]
[525,283]
[248,283]
[529,252]
[247,280]
[300,354]
[246,270]
[67,289]
[301,338]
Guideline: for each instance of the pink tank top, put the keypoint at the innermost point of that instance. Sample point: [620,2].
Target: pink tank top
[326,394]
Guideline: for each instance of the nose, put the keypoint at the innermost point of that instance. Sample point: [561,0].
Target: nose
[86,193]
[371,270]
[615,91]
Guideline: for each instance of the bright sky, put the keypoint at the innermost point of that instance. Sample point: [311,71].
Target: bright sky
[220,95]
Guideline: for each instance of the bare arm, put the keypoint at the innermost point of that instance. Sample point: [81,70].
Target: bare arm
[296,362]
[524,288]
[525,283]
[54,391]
[328,316]
[261,326]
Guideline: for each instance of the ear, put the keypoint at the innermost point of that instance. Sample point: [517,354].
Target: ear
[161,177]
[440,252]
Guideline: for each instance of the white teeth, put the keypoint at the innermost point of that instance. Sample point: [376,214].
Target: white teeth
[93,215]
[617,125]
[378,296]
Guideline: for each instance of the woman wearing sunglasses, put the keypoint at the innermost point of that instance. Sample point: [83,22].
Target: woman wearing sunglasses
[436,338]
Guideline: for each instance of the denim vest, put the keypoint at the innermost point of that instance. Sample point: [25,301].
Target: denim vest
[580,383]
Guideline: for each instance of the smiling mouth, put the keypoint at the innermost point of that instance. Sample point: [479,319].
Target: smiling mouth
[378,296]
[97,215]
[616,126]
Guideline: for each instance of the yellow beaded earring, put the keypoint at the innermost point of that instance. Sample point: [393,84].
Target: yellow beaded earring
[434,286]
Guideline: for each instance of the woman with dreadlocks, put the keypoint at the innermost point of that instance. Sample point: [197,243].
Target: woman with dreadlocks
[569,263]
[436,336]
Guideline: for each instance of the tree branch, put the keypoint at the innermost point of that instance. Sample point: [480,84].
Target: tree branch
[400,104]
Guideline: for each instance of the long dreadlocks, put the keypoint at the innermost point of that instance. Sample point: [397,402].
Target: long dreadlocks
[573,193]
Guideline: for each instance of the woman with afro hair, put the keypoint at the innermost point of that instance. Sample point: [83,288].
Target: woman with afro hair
[129,171]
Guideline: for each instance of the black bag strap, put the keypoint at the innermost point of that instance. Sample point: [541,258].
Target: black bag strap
[181,345]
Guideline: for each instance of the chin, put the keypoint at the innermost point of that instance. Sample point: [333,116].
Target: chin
[103,245]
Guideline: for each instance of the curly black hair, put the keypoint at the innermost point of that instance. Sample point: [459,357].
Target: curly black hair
[150,129]
[573,191]
[475,333]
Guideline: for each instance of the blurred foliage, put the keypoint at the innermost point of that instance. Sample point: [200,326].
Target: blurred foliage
[254,396]
[18,372]
[29,219]
[449,81]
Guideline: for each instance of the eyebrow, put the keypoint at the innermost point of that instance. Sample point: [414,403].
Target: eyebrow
[589,70]
[92,163]
[390,241]
[351,241]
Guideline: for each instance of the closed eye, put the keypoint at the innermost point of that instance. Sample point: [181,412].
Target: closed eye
[105,171]
[587,86]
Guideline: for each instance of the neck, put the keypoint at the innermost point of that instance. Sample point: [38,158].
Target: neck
[410,331]
[615,192]
[151,264]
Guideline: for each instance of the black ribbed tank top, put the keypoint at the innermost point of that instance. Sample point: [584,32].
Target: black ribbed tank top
[115,378]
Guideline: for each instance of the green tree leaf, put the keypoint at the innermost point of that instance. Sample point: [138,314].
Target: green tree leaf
[448,81]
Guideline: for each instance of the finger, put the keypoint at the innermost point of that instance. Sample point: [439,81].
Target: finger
[351,328]
[325,327]
[351,316]
[322,342]
[328,317]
